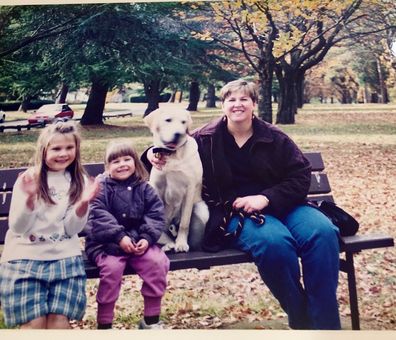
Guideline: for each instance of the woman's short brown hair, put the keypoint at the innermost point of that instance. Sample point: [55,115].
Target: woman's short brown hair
[246,87]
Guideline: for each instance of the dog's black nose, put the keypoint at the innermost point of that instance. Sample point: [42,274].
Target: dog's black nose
[176,137]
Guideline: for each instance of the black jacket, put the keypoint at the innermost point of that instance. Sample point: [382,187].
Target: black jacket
[283,174]
[123,208]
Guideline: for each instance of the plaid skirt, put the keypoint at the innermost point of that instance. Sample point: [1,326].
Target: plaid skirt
[30,289]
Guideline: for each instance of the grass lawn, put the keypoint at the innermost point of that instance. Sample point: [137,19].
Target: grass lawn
[358,143]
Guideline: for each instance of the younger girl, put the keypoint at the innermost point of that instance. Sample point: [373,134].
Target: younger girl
[125,222]
[42,277]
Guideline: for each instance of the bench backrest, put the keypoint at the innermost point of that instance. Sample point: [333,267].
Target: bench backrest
[319,189]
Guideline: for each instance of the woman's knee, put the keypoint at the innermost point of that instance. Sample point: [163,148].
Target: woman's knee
[309,226]
[270,243]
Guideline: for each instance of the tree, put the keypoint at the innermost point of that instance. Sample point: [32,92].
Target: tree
[372,57]
[27,68]
[289,37]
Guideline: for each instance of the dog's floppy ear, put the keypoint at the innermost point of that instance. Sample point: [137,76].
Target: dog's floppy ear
[150,119]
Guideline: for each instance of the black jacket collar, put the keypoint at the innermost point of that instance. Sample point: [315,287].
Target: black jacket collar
[262,129]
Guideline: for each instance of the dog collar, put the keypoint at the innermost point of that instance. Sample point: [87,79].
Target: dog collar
[163,151]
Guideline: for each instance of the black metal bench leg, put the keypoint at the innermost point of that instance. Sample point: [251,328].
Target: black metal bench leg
[353,300]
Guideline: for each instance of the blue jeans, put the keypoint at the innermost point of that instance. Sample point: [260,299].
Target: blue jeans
[276,247]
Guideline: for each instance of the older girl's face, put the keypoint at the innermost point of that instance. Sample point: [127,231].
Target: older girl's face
[61,152]
[238,107]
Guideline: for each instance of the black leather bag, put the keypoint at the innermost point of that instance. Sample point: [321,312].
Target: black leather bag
[347,225]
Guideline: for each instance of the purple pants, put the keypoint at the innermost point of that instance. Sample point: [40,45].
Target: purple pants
[152,267]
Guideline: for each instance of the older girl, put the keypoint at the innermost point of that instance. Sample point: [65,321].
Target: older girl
[42,277]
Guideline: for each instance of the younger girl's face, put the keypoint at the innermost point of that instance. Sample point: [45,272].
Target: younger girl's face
[61,152]
[121,167]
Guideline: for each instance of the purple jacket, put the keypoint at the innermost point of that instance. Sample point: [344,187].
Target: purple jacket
[283,173]
[123,208]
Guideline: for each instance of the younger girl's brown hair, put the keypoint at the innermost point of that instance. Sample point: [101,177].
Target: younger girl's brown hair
[75,169]
[120,148]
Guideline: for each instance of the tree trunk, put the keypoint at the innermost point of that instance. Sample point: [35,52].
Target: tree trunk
[93,114]
[264,105]
[173,97]
[61,97]
[366,93]
[211,96]
[152,90]
[382,86]
[300,90]
[287,106]
[194,96]
[25,103]
[179,96]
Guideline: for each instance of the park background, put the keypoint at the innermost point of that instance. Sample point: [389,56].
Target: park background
[326,75]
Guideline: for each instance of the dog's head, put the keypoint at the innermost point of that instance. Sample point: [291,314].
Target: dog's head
[169,127]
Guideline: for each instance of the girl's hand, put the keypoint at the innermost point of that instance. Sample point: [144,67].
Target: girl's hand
[141,247]
[91,189]
[30,188]
[158,160]
[127,245]
[251,204]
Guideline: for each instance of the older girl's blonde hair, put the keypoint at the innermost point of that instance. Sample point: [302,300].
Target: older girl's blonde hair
[248,88]
[75,169]
[124,147]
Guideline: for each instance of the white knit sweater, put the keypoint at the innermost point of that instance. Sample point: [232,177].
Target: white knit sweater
[49,232]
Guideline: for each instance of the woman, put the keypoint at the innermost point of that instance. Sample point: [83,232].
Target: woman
[255,183]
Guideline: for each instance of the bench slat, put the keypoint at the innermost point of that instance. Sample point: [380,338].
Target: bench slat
[5,202]
[319,184]
[3,229]
[204,260]
[358,242]
[316,160]
[9,176]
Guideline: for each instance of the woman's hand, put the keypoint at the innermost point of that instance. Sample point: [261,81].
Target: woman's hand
[141,247]
[157,160]
[127,245]
[91,189]
[251,204]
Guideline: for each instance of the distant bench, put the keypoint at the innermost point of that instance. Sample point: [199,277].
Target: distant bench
[20,127]
[319,190]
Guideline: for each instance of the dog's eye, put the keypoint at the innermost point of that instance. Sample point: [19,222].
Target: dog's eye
[168,120]
[183,122]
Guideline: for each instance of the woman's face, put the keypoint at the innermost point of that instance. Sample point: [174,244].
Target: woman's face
[238,107]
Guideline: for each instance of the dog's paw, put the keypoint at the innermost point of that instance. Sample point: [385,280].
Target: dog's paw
[181,246]
[168,246]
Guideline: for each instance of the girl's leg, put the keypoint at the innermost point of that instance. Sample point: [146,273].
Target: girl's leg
[111,270]
[38,323]
[318,247]
[274,251]
[57,321]
[152,267]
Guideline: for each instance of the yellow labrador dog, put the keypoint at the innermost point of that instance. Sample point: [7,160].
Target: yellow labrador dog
[179,182]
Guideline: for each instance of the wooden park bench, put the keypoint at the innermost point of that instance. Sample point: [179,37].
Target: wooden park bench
[319,190]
